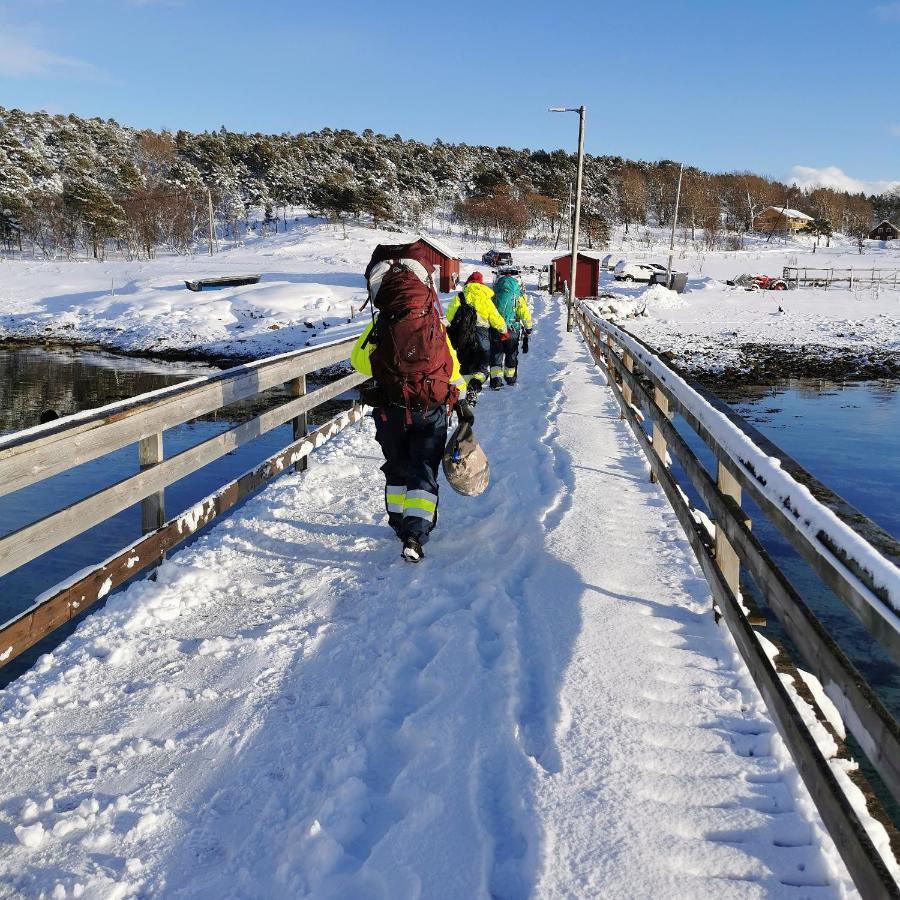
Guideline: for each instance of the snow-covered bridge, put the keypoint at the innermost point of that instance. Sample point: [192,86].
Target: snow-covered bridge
[546,707]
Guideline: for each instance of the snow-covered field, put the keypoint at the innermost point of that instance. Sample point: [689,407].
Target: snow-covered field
[713,326]
[544,707]
[312,277]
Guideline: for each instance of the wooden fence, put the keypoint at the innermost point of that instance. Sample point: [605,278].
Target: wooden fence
[30,456]
[860,576]
[806,277]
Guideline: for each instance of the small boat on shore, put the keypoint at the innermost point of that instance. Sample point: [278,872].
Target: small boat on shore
[222,281]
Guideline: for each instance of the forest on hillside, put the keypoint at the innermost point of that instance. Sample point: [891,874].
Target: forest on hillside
[70,185]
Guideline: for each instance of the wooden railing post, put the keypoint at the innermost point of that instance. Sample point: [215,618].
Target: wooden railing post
[298,389]
[153,506]
[626,390]
[659,442]
[726,559]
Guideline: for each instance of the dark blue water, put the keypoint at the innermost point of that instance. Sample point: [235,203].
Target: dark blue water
[33,380]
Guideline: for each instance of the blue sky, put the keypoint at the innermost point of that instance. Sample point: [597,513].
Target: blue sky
[766,85]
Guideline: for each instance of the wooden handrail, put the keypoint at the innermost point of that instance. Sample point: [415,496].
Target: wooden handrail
[30,541]
[30,456]
[625,357]
[864,591]
[37,453]
[876,730]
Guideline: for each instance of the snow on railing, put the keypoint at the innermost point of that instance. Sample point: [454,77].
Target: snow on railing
[808,514]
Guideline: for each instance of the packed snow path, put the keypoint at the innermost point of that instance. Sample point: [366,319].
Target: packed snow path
[544,707]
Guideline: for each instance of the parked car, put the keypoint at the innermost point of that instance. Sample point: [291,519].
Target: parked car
[630,271]
[494,258]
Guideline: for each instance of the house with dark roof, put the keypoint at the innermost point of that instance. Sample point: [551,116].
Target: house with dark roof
[886,231]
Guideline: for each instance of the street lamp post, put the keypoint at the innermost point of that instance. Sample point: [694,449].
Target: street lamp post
[674,223]
[574,271]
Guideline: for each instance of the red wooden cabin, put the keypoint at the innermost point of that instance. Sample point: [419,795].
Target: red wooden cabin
[449,264]
[587,283]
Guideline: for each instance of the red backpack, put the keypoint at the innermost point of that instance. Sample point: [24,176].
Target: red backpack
[410,360]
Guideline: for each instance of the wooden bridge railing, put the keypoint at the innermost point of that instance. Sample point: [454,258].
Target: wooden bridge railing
[851,554]
[33,455]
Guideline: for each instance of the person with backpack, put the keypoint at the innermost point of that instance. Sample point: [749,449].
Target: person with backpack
[417,383]
[474,346]
[509,298]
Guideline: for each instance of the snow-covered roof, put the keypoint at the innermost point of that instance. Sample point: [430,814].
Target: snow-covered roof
[443,249]
[587,254]
[791,213]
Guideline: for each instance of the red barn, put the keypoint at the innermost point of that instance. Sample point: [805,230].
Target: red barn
[443,257]
[587,283]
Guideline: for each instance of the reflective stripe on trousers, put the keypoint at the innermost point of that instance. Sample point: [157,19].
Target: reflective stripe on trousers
[394,497]
[421,504]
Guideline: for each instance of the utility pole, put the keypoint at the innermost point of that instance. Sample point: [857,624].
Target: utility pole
[212,228]
[573,275]
[674,223]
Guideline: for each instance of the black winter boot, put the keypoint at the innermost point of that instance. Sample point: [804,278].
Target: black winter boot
[412,550]
[496,384]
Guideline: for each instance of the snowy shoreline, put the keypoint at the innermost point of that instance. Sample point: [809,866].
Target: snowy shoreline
[725,336]
[773,363]
[170,356]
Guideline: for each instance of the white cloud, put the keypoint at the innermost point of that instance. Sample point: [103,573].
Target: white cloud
[888,11]
[833,177]
[22,56]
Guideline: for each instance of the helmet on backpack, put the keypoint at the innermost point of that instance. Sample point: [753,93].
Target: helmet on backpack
[465,464]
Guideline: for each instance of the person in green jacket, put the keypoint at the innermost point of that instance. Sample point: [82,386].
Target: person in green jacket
[509,298]
[475,360]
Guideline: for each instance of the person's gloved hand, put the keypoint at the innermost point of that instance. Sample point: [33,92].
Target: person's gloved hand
[464,411]
[504,336]
[525,341]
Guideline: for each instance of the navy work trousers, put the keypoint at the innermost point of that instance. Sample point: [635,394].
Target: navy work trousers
[504,357]
[412,454]
[475,360]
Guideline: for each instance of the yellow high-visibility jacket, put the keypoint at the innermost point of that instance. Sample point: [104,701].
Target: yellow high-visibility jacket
[359,359]
[480,297]
[522,313]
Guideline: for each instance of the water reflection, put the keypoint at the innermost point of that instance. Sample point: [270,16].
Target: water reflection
[34,380]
